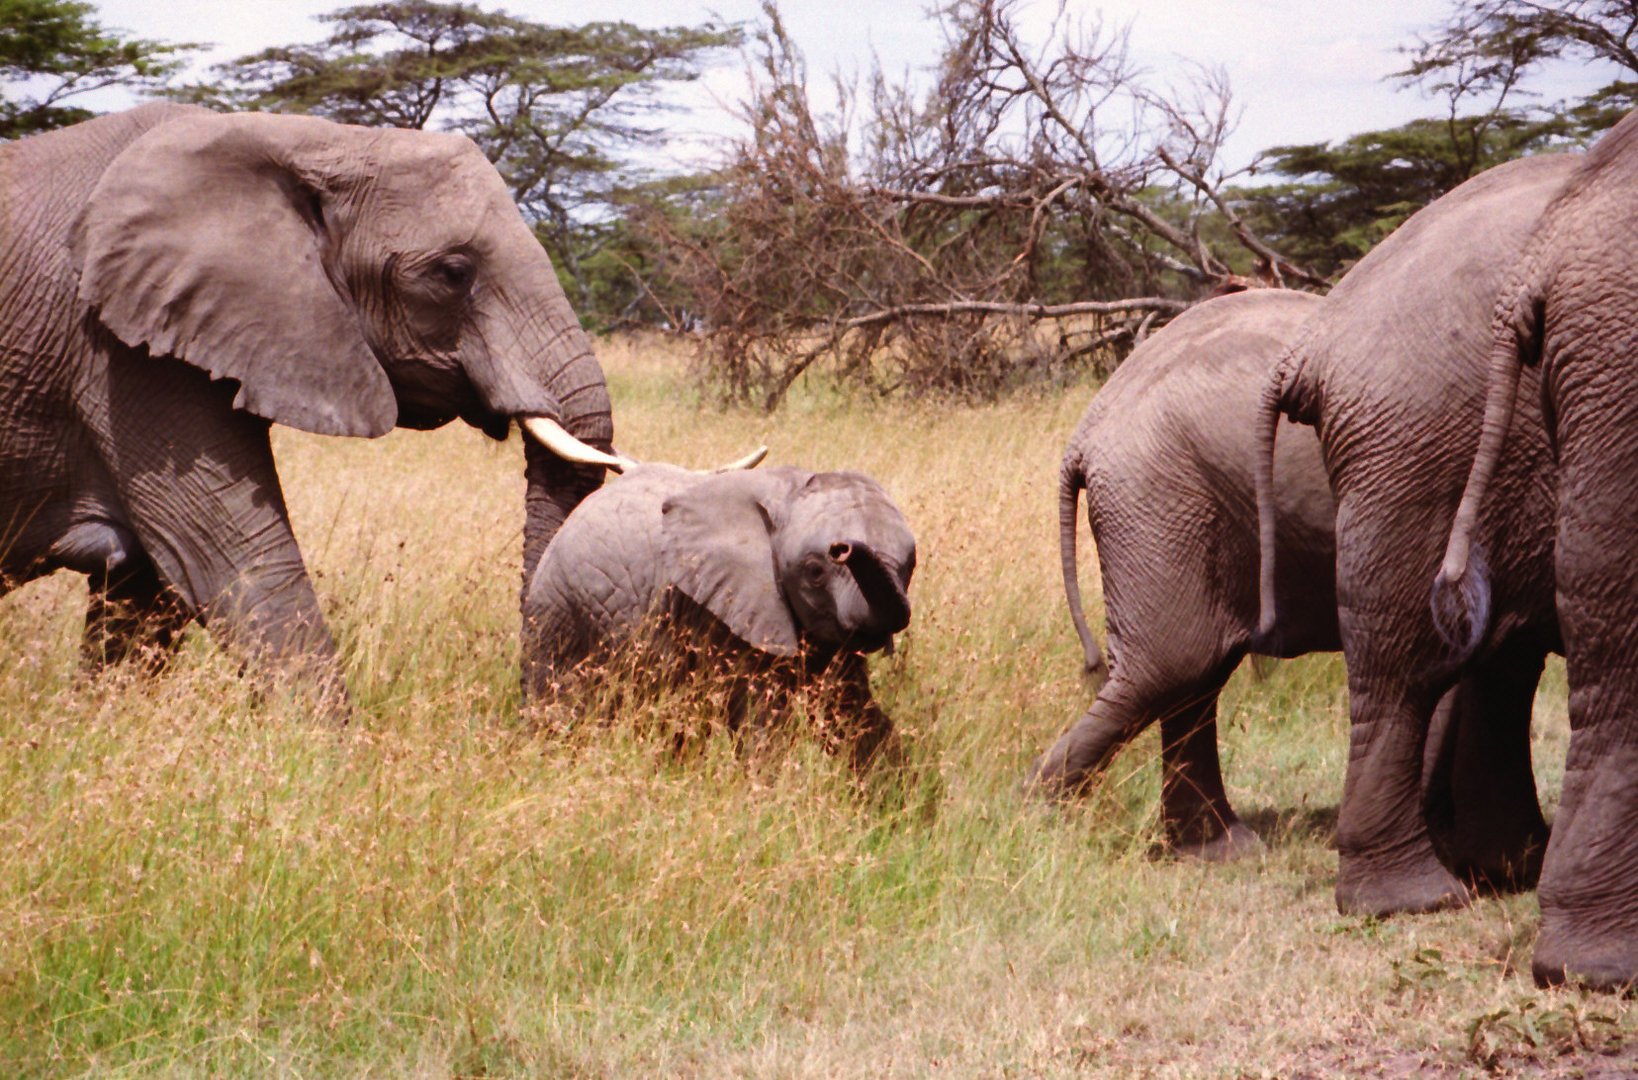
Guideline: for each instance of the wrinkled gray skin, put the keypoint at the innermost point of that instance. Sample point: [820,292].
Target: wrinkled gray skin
[1165,454]
[1570,311]
[1391,373]
[175,279]
[779,576]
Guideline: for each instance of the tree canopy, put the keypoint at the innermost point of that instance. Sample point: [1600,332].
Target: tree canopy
[558,109]
[1340,198]
[54,51]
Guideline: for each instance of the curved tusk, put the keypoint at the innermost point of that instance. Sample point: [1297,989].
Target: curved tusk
[749,461]
[551,435]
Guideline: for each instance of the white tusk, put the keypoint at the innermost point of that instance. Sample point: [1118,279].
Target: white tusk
[749,461]
[550,434]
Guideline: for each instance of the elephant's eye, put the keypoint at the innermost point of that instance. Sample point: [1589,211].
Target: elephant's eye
[456,272]
[815,570]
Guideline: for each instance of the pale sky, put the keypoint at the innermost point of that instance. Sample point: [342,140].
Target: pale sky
[1301,70]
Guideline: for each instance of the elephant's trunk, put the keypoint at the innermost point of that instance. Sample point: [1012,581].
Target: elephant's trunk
[555,486]
[536,362]
[888,606]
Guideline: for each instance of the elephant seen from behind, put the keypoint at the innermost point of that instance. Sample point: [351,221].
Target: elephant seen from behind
[174,280]
[1391,375]
[778,580]
[1566,328]
[1163,454]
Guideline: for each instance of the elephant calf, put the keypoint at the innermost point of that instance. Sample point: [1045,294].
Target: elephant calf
[1164,455]
[776,579]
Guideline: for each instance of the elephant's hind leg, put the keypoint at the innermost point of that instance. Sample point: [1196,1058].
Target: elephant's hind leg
[1386,862]
[1589,878]
[1482,808]
[1195,810]
[1194,807]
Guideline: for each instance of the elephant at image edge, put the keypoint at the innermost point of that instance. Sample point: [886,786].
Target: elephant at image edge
[781,575]
[176,278]
[1570,312]
[1164,453]
[1391,374]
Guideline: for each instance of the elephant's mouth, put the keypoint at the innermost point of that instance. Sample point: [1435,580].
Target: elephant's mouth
[430,396]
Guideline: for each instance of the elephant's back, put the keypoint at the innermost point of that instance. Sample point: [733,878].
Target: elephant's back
[1185,402]
[46,178]
[1214,344]
[1394,370]
[602,575]
[1421,302]
[1167,460]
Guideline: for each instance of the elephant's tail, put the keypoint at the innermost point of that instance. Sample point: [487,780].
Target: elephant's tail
[1070,482]
[1461,590]
[1270,407]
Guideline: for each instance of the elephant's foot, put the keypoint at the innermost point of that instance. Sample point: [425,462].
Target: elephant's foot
[1230,844]
[1405,886]
[1505,861]
[1587,952]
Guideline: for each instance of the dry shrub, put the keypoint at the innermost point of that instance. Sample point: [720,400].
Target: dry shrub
[910,245]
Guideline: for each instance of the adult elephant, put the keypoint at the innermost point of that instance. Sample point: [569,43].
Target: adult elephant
[1164,454]
[1391,374]
[1570,311]
[172,280]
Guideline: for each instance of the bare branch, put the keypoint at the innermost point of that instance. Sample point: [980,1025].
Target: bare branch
[916,245]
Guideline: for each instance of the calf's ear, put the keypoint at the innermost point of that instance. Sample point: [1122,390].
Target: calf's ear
[717,536]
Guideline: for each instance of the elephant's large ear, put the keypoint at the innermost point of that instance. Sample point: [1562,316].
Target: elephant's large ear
[718,543]
[206,239]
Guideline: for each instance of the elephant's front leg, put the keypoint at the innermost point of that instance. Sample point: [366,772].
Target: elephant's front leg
[865,729]
[197,479]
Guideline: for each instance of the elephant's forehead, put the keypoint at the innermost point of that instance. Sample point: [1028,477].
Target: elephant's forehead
[851,511]
[434,171]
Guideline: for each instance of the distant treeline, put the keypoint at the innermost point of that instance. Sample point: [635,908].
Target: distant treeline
[1039,205]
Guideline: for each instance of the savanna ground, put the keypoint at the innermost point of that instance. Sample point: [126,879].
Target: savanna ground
[195,879]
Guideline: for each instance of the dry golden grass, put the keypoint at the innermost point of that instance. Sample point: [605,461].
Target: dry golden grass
[195,880]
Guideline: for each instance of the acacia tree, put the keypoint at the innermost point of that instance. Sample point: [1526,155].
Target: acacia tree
[54,51]
[1340,198]
[1038,206]
[558,109]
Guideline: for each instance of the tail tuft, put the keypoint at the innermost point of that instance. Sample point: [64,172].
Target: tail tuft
[1461,605]
[1095,672]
